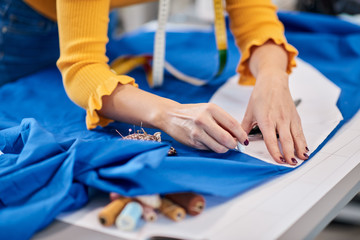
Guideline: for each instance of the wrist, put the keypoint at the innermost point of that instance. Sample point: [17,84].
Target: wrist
[272,74]
[272,79]
[161,115]
[268,57]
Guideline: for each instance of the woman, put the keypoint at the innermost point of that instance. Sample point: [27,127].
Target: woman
[82,26]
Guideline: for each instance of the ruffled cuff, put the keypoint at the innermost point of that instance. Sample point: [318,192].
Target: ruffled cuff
[93,119]
[246,77]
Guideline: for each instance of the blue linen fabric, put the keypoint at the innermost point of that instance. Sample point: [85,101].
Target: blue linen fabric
[51,158]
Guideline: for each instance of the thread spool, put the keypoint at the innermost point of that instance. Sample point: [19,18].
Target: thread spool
[149,214]
[193,203]
[153,201]
[113,196]
[172,210]
[109,213]
[129,216]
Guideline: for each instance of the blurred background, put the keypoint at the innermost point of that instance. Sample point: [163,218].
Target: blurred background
[200,11]
[193,11]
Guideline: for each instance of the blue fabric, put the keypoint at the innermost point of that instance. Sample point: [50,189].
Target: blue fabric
[50,158]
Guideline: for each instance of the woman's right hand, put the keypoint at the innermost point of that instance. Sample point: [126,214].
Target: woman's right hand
[203,126]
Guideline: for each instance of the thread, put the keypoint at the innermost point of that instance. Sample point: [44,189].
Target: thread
[108,214]
[193,203]
[153,201]
[172,210]
[149,214]
[113,196]
[129,216]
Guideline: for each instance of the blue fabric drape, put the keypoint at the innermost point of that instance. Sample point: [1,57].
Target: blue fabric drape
[50,158]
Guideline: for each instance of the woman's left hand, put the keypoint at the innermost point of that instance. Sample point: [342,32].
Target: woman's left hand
[271,106]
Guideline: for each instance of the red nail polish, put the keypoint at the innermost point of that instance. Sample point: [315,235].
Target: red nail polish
[282,159]
[305,155]
[294,160]
[246,142]
[307,149]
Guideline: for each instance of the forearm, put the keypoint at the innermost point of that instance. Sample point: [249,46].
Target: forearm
[203,126]
[254,23]
[135,106]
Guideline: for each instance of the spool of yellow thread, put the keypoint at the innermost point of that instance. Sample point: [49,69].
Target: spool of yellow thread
[172,210]
[108,215]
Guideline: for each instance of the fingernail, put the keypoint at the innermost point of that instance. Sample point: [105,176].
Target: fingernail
[246,142]
[282,159]
[294,160]
[305,155]
[307,149]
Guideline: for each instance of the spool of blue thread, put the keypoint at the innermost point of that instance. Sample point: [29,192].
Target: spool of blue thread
[129,216]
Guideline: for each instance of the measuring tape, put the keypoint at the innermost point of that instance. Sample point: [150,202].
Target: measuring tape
[155,75]
[220,35]
[159,44]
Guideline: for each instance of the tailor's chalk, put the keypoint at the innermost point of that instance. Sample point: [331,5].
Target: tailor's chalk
[149,214]
[129,216]
[193,203]
[172,210]
[109,213]
[240,147]
[153,201]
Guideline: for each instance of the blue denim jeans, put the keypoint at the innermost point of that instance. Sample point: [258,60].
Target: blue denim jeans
[28,41]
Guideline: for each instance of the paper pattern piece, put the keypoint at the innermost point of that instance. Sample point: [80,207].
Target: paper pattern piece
[318,111]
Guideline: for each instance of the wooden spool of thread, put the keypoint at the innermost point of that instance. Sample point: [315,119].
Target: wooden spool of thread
[172,210]
[108,215]
[153,201]
[193,203]
[149,215]
[113,196]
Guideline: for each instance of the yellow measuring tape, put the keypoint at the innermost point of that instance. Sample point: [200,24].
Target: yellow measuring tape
[125,64]
[220,34]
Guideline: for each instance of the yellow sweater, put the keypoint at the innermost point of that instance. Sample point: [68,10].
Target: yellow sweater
[83,36]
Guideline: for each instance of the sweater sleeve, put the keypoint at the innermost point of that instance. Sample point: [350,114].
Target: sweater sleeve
[254,22]
[83,64]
